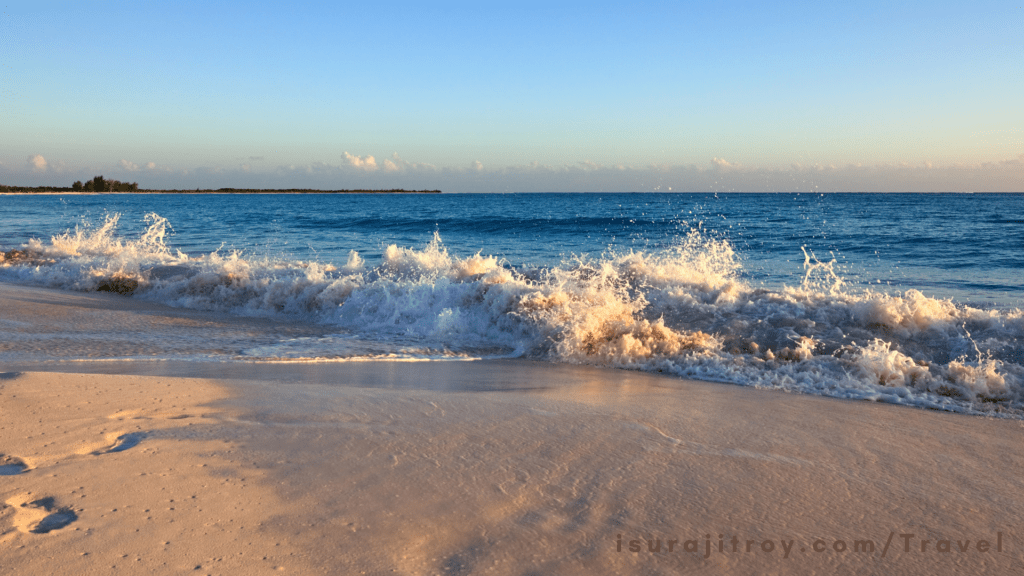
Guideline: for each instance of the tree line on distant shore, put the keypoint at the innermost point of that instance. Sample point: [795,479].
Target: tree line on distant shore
[99,184]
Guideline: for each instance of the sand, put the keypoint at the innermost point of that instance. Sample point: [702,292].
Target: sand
[135,470]
[488,467]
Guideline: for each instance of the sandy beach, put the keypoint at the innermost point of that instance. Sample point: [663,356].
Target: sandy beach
[485,467]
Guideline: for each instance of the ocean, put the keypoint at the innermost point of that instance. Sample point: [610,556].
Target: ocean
[904,298]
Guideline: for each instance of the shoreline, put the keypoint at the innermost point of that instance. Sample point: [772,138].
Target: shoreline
[491,466]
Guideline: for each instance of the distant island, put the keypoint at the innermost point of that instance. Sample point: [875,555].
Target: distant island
[99,185]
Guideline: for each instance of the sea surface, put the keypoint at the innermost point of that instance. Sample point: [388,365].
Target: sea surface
[905,298]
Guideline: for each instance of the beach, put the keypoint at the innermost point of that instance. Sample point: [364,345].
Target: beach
[471,467]
[511,289]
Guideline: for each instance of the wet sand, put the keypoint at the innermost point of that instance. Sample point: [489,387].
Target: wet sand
[488,467]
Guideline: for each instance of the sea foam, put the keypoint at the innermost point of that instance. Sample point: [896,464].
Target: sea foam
[684,310]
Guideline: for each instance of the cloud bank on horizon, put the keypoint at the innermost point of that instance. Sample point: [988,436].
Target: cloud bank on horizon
[718,175]
[526,97]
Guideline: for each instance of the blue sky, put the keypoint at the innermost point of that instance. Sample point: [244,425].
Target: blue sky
[523,96]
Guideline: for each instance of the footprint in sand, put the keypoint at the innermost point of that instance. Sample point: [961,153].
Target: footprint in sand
[41,516]
[11,466]
[124,442]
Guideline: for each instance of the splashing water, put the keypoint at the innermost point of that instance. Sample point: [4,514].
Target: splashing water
[682,309]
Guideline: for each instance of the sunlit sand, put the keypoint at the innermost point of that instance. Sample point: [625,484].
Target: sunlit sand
[489,467]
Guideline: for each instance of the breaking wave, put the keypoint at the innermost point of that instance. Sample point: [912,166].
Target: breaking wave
[682,310]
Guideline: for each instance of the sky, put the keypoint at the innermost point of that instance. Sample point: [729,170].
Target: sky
[508,97]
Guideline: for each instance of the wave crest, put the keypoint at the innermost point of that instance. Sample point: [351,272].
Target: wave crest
[684,309]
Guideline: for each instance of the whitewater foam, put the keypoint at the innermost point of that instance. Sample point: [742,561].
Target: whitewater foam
[683,309]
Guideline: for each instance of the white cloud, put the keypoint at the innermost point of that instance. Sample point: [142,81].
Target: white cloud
[37,163]
[127,165]
[398,164]
[150,165]
[477,166]
[363,162]
[723,164]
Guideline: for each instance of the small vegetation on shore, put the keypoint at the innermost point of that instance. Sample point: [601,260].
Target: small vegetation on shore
[100,185]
